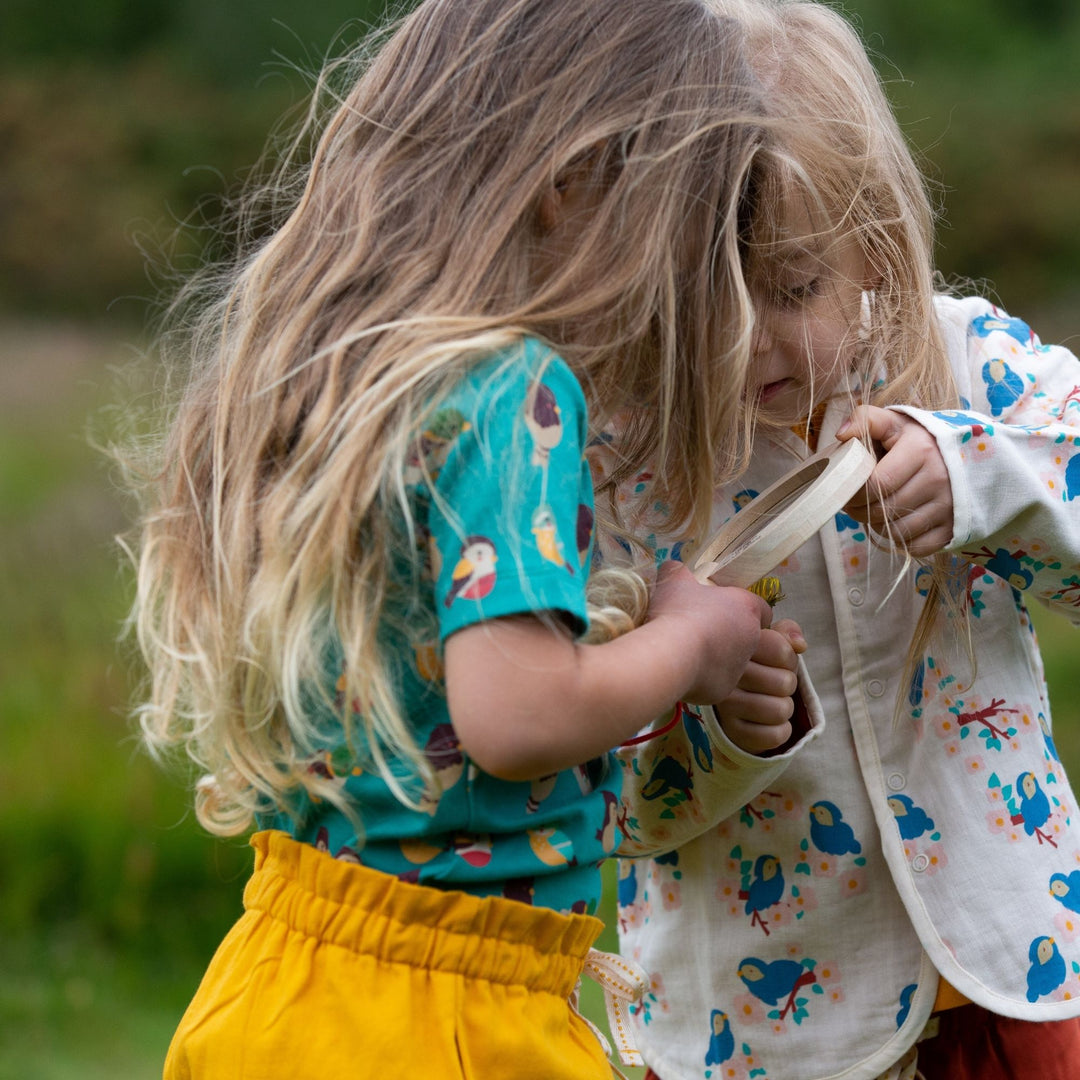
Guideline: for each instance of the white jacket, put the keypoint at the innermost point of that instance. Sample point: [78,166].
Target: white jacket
[798,930]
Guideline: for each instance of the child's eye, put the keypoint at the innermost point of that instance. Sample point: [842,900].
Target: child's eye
[795,293]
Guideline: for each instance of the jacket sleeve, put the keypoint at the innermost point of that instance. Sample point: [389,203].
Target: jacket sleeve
[685,776]
[1013,452]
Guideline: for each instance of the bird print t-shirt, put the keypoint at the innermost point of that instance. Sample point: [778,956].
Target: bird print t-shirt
[502,510]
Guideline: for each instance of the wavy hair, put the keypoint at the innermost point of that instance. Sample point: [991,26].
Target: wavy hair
[408,244]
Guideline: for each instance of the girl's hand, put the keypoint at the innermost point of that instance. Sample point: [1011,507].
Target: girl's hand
[908,495]
[719,628]
[756,716]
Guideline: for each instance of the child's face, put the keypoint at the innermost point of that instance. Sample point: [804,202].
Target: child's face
[807,296]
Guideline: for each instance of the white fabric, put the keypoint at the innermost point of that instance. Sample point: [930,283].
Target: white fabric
[905,845]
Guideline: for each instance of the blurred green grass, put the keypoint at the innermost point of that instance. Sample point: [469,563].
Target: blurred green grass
[111,897]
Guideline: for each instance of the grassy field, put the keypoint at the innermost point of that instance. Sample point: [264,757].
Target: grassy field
[111,899]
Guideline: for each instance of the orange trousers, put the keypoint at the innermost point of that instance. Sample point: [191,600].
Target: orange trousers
[335,970]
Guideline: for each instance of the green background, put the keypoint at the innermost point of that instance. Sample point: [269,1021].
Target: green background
[122,119]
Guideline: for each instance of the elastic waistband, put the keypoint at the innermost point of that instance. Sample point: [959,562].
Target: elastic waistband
[374,913]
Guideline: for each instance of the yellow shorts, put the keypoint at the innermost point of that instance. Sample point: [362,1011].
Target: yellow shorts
[337,971]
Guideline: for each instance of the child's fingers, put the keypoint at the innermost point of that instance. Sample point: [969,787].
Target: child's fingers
[919,516]
[870,422]
[768,679]
[774,651]
[791,630]
[757,736]
[891,476]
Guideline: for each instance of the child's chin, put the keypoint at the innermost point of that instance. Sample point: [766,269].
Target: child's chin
[781,414]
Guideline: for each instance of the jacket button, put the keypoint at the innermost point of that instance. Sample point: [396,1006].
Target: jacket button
[875,688]
[855,596]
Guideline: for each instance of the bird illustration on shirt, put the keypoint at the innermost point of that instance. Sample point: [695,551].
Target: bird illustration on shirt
[1003,385]
[543,418]
[721,1039]
[744,498]
[1047,971]
[1034,808]
[545,529]
[475,849]
[669,774]
[1072,478]
[698,737]
[1048,738]
[584,531]
[770,982]
[551,847]
[608,833]
[765,890]
[539,789]
[474,574]
[1066,889]
[1017,329]
[830,832]
[1006,564]
[912,820]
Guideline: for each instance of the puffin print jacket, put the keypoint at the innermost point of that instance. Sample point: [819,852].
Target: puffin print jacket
[922,826]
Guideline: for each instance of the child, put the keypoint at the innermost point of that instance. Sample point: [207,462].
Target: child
[522,216]
[923,851]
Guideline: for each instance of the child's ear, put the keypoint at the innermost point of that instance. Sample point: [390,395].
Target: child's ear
[550,212]
[578,189]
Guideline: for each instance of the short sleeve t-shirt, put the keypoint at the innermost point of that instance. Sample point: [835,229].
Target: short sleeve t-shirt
[502,509]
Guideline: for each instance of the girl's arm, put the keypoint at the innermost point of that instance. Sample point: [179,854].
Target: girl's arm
[527,700]
[998,480]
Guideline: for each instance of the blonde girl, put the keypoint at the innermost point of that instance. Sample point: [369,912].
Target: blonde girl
[902,898]
[363,566]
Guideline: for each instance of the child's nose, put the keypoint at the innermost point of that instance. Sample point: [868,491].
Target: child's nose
[761,338]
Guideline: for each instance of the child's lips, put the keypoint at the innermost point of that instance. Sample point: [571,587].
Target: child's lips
[770,390]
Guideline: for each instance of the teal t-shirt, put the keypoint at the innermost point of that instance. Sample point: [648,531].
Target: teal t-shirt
[503,508]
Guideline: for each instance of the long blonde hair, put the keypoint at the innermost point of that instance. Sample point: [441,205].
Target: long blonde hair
[845,152]
[406,249]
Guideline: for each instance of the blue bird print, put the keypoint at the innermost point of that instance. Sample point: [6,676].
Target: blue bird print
[1003,385]
[627,882]
[912,820]
[905,1003]
[668,775]
[1034,807]
[1072,478]
[977,424]
[743,498]
[721,1039]
[1047,971]
[845,522]
[830,832]
[1017,329]
[765,890]
[1066,889]
[1048,738]
[1006,564]
[769,982]
[699,740]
